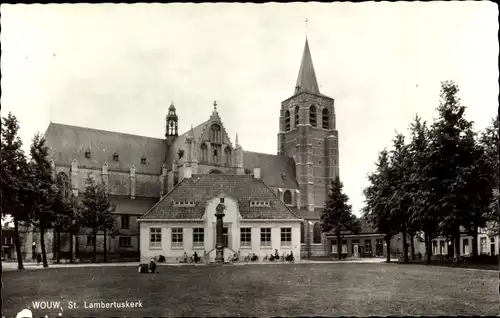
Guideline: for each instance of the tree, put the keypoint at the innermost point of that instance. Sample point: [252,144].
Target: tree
[399,181]
[44,190]
[96,209]
[490,141]
[377,209]
[451,150]
[337,215]
[424,208]
[15,185]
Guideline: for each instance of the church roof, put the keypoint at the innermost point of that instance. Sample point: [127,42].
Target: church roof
[201,188]
[276,171]
[138,206]
[71,142]
[306,80]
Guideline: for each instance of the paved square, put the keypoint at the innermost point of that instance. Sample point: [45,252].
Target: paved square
[253,290]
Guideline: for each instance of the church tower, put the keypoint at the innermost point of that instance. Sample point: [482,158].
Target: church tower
[308,134]
[172,123]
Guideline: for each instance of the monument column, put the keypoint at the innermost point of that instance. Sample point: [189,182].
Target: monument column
[219,246]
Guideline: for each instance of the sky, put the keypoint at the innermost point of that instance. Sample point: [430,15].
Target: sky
[118,68]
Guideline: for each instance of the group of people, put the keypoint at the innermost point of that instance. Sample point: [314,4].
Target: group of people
[276,257]
[193,259]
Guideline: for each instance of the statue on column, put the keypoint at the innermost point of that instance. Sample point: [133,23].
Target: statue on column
[219,246]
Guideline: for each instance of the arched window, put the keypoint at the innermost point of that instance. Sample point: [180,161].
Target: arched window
[62,181]
[287,120]
[215,136]
[296,116]
[204,153]
[302,233]
[227,156]
[317,233]
[312,116]
[325,119]
[287,197]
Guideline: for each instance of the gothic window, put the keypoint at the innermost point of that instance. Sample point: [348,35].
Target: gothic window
[325,119]
[287,197]
[215,134]
[204,153]
[296,116]
[227,155]
[316,233]
[143,160]
[287,120]
[63,184]
[312,116]
[115,156]
[215,158]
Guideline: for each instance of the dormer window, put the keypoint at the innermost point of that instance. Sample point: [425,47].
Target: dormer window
[115,156]
[143,160]
[87,154]
[184,204]
[260,203]
[283,175]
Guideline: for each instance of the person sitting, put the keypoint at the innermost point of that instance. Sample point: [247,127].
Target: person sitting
[235,258]
[152,267]
[271,258]
[185,257]
[276,255]
[254,257]
[290,257]
[196,258]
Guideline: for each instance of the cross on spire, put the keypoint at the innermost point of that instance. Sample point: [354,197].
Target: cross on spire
[215,105]
[306,26]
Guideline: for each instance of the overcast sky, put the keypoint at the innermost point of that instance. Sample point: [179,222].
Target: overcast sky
[118,67]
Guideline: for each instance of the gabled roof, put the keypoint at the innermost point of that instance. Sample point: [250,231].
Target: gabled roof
[125,205]
[202,188]
[308,215]
[71,142]
[306,80]
[276,171]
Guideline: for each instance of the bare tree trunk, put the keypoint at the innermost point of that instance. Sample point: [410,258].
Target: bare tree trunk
[474,242]
[105,251]
[388,244]
[339,247]
[94,256]
[405,246]
[18,245]
[428,248]
[70,247]
[456,240]
[42,246]
[58,257]
[412,245]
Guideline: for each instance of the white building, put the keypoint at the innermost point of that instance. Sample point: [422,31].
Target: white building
[255,221]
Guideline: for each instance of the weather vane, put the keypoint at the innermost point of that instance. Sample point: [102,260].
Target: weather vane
[306,26]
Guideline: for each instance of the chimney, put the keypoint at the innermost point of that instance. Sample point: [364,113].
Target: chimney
[256,173]
[297,198]
[187,172]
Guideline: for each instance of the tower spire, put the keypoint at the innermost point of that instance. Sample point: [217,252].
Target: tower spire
[306,81]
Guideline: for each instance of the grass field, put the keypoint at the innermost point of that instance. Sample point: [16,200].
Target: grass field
[258,290]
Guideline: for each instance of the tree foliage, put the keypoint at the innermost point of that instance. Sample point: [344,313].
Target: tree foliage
[440,183]
[15,185]
[96,210]
[337,215]
[45,194]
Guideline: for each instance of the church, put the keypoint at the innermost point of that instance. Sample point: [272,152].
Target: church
[166,190]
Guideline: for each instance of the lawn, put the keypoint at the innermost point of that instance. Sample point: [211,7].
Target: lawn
[259,290]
